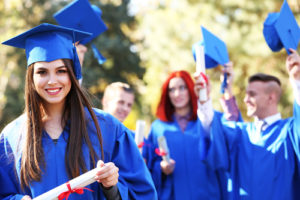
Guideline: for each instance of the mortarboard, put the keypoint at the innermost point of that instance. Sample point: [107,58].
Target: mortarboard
[81,15]
[215,49]
[281,29]
[215,52]
[48,42]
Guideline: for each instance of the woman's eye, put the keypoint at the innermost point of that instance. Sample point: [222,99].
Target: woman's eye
[182,87]
[171,90]
[41,72]
[61,71]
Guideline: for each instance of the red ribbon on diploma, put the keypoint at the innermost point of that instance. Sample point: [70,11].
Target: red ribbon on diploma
[140,145]
[204,77]
[160,153]
[65,195]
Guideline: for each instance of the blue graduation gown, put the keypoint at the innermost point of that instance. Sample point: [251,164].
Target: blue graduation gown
[118,145]
[191,178]
[268,170]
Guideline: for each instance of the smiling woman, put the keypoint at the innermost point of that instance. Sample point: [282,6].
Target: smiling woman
[52,81]
[60,135]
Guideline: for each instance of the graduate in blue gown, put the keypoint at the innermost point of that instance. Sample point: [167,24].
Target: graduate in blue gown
[60,135]
[118,99]
[184,177]
[262,157]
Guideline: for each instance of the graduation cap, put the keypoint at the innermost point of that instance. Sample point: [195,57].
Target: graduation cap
[281,29]
[81,15]
[48,42]
[215,52]
[215,49]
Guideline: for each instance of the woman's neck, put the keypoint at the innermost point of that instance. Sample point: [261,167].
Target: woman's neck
[183,111]
[53,110]
[52,119]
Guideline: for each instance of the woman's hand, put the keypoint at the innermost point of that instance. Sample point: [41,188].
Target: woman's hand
[107,174]
[201,84]
[167,168]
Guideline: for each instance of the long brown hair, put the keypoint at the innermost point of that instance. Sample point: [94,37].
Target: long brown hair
[32,154]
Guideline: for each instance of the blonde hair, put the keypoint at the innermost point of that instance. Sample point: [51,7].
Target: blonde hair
[109,90]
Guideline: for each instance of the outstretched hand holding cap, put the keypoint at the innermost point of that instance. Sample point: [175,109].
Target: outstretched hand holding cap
[293,65]
[228,71]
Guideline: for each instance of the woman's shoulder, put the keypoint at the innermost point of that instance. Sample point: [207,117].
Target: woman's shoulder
[100,115]
[12,133]
[15,126]
[161,123]
[158,121]
[107,122]
[104,116]
[158,126]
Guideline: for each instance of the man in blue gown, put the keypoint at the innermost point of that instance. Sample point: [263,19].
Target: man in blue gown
[262,157]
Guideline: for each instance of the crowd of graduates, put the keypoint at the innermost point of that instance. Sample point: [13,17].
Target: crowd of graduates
[192,150]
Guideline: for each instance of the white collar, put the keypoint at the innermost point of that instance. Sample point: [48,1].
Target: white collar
[270,119]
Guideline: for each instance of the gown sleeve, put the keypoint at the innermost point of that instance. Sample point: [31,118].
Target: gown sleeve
[223,142]
[153,162]
[9,184]
[163,183]
[294,132]
[134,178]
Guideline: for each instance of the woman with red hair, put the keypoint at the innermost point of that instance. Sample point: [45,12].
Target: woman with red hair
[184,176]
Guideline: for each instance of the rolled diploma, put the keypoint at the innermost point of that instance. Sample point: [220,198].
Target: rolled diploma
[164,147]
[200,67]
[80,181]
[139,132]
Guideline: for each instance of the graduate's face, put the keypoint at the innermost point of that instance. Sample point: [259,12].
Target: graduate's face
[119,104]
[256,99]
[178,93]
[52,81]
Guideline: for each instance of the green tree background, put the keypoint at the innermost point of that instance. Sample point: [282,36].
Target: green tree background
[144,44]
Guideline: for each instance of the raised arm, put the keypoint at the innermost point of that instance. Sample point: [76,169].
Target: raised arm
[222,135]
[293,68]
[205,109]
[228,101]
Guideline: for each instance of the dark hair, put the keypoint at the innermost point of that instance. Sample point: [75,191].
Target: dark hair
[165,107]
[74,111]
[264,78]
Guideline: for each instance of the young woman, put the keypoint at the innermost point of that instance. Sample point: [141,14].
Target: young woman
[60,135]
[185,176]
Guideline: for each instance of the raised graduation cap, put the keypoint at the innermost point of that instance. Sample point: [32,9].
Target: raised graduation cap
[215,51]
[81,15]
[281,29]
[48,42]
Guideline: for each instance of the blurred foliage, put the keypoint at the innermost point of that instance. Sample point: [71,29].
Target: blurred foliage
[144,47]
